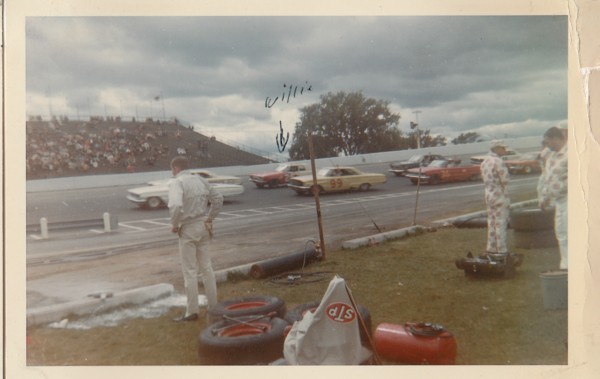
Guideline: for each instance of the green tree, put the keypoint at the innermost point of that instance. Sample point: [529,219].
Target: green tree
[347,124]
[468,137]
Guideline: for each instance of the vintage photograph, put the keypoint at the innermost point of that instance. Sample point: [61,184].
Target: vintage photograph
[166,151]
[296,190]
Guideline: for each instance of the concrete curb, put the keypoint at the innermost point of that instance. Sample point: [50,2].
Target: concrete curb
[102,303]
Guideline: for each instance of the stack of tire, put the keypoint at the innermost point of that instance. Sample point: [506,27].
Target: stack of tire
[252,330]
[244,331]
[533,228]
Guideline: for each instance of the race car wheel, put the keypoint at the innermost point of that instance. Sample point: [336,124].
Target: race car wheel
[476,177]
[298,312]
[316,189]
[245,306]
[527,170]
[273,183]
[531,219]
[364,187]
[414,181]
[434,180]
[244,340]
[154,202]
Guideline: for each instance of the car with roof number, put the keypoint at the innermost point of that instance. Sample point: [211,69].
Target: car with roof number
[336,179]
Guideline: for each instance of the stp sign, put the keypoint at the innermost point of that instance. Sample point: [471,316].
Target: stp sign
[340,312]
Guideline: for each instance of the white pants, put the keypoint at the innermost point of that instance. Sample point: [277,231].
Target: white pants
[560,228]
[497,219]
[193,243]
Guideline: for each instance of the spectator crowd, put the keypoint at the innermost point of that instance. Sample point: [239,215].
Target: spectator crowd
[60,147]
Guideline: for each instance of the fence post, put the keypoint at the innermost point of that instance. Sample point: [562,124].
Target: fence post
[44,227]
[106,217]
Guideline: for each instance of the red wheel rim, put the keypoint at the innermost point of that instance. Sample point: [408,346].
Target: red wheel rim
[245,330]
[246,305]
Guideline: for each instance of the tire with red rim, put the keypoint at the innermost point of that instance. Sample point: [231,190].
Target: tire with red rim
[298,312]
[247,306]
[247,340]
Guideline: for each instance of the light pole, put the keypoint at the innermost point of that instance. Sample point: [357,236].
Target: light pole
[416,125]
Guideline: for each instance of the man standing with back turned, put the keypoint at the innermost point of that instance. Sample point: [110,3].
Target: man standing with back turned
[495,178]
[191,218]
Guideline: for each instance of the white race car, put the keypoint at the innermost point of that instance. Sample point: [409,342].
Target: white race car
[157,195]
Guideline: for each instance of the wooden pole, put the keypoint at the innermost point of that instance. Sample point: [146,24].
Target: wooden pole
[316,194]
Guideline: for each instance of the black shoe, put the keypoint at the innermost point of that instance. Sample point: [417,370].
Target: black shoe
[192,317]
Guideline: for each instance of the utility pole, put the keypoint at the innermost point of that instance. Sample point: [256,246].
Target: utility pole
[315,191]
[416,125]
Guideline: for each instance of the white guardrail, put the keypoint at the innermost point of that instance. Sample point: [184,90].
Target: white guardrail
[109,180]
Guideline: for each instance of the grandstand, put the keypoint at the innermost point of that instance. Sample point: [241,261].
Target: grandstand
[109,145]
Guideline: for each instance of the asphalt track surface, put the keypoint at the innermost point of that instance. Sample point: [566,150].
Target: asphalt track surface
[260,224]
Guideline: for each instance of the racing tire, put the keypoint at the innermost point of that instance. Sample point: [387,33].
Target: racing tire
[273,183]
[364,187]
[434,180]
[414,181]
[531,219]
[298,312]
[154,203]
[260,185]
[247,306]
[476,178]
[243,341]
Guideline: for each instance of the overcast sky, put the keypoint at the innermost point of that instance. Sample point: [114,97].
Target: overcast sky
[499,76]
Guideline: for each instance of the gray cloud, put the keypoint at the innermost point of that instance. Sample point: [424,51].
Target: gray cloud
[463,73]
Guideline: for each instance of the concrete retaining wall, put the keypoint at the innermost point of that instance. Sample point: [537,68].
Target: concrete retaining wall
[98,181]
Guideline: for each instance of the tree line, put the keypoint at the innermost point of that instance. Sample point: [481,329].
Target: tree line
[351,124]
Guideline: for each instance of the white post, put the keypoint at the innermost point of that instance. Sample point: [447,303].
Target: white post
[44,227]
[106,217]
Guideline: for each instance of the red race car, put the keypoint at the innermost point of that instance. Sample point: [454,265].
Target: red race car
[444,171]
[525,164]
[280,176]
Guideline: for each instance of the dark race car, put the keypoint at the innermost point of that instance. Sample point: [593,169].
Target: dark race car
[400,168]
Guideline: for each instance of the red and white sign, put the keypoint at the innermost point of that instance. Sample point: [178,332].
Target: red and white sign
[341,312]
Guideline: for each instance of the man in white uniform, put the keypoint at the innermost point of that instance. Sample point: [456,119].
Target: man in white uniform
[496,177]
[191,218]
[555,187]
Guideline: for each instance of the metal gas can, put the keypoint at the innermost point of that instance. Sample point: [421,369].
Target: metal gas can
[415,343]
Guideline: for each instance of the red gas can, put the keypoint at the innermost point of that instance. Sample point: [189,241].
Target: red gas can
[415,343]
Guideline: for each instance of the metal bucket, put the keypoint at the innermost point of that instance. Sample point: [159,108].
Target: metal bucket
[555,289]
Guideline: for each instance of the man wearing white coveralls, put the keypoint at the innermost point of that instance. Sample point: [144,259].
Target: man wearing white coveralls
[555,187]
[495,178]
[191,218]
